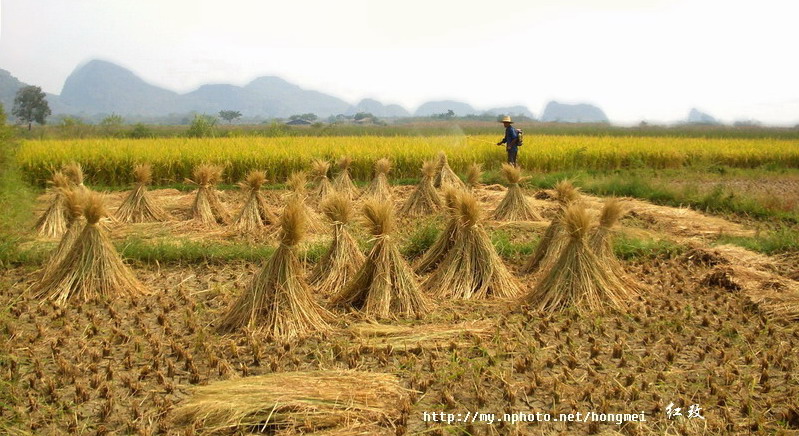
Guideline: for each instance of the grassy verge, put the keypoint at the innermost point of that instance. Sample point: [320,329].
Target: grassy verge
[782,240]
[16,198]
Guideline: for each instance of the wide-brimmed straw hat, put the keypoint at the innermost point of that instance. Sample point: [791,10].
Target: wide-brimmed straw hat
[506,119]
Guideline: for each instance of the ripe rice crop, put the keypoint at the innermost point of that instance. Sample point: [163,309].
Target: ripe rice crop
[110,161]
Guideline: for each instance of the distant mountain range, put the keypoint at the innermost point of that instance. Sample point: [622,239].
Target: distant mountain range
[99,88]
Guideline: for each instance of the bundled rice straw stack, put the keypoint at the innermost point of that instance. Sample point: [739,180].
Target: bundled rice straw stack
[385,286]
[53,222]
[380,189]
[578,277]
[424,200]
[444,174]
[473,175]
[601,241]
[343,258]
[472,269]
[255,214]
[515,206]
[297,403]
[323,187]
[343,182]
[74,172]
[278,300]
[554,239]
[138,207]
[207,208]
[297,184]
[92,268]
[75,200]
[438,251]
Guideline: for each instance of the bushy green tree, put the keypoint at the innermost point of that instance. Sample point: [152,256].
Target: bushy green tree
[202,126]
[30,104]
[229,116]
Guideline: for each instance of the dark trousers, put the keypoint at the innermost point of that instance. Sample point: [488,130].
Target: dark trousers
[512,152]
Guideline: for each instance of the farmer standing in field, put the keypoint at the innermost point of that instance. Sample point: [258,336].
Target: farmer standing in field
[511,140]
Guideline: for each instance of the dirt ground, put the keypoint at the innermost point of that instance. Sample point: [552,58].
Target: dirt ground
[707,333]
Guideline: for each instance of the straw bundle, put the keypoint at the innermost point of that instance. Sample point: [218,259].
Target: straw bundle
[207,208]
[424,200]
[343,258]
[296,402]
[74,172]
[343,182]
[297,183]
[53,222]
[75,200]
[438,251]
[601,242]
[444,174]
[473,175]
[278,299]
[255,214]
[385,286]
[514,207]
[553,240]
[323,187]
[578,277]
[92,268]
[138,207]
[472,269]
[380,189]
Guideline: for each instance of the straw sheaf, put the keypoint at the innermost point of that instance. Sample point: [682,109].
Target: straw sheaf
[293,224]
[94,208]
[75,202]
[442,159]
[451,197]
[428,169]
[207,174]
[378,218]
[382,166]
[337,208]
[143,174]
[577,222]
[74,171]
[344,163]
[473,174]
[297,182]
[566,192]
[511,173]
[254,180]
[319,168]
[611,212]
[468,210]
[60,180]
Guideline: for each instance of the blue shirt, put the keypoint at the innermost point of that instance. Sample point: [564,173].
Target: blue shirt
[510,136]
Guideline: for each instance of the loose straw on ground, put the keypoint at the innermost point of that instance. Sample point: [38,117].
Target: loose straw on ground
[554,239]
[53,222]
[379,188]
[343,258]
[255,214]
[438,251]
[278,300]
[207,209]
[92,268]
[578,277]
[322,185]
[424,200]
[515,206]
[444,174]
[472,269]
[138,207]
[385,286]
[343,182]
[296,402]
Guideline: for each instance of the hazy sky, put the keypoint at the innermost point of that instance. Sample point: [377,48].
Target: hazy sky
[636,59]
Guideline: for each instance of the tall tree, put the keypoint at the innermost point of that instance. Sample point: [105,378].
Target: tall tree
[31,105]
[229,116]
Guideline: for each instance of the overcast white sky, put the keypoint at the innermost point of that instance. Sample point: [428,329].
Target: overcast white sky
[636,59]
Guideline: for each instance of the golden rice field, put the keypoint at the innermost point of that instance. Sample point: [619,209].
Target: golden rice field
[110,161]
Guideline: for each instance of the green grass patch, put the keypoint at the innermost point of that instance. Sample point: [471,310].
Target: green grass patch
[422,238]
[509,249]
[189,251]
[782,240]
[627,248]
[16,200]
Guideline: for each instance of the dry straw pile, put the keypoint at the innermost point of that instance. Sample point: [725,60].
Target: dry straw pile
[53,222]
[297,403]
[554,238]
[138,207]
[343,258]
[343,181]
[473,175]
[92,268]
[207,209]
[278,300]
[438,251]
[578,276]
[297,183]
[601,241]
[322,185]
[385,286]
[74,172]
[424,200]
[472,269]
[515,206]
[255,214]
[380,188]
[444,174]
[75,201]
